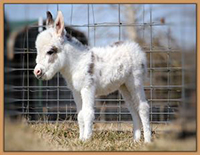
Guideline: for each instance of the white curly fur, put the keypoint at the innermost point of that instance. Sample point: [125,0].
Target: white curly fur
[91,72]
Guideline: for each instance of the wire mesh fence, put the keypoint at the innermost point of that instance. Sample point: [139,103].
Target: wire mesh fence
[170,84]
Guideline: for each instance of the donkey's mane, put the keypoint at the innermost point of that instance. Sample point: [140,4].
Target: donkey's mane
[75,41]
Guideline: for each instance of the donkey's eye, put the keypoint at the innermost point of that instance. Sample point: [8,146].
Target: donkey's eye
[50,52]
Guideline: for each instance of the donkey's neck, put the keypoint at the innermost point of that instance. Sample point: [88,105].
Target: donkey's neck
[75,52]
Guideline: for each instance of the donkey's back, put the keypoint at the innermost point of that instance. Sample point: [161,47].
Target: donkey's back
[114,64]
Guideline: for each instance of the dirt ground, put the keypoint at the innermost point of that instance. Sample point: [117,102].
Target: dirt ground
[106,137]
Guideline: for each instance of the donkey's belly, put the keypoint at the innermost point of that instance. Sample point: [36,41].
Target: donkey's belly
[105,89]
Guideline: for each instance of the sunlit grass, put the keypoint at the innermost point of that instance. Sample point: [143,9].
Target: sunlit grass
[64,137]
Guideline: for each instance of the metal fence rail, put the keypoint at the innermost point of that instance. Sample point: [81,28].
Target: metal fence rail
[51,100]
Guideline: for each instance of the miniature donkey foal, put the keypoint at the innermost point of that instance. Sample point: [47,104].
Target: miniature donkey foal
[96,71]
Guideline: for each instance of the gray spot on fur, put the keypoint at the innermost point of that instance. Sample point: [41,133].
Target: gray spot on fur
[99,59]
[54,49]
[92,81]
[96,58]
[91,65]
[53,56]
[117,43]
[100,73]
[142,66]
[92,56]
[120,68]
[91,69]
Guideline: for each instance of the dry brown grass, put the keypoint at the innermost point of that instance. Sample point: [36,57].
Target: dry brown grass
[64,137]
[21,137]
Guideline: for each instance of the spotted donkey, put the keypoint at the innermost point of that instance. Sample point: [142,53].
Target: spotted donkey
[96,71]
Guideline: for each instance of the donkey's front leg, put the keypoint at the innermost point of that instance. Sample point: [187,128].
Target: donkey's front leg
[78,101]
[87,111]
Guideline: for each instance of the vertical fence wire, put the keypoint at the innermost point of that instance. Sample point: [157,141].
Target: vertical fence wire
[46,108]
[143,21]
[71,15]
[47,7]
[27,62]
[88,20]
[168,73]
[57,7]
[58,88]
[151,71]
[119,95]
[94,23]
[23,76]
[183,76]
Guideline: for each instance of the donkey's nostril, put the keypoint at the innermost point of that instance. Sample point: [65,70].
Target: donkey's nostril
[38,72]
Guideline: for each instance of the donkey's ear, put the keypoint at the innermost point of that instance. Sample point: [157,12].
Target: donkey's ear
[49,21]
[59,24]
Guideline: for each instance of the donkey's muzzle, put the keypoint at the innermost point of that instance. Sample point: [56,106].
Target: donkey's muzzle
[38,73]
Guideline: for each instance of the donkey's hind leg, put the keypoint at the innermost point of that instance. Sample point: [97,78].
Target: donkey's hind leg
[138,94]
[135,117]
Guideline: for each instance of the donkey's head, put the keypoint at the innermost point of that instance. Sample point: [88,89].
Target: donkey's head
[49,44]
